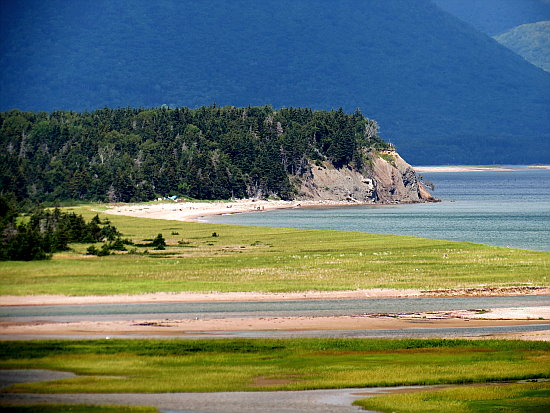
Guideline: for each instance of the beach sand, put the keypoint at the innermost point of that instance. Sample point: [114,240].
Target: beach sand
[192,211]
[465,168]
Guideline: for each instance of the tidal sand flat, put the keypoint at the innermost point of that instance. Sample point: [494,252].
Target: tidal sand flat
[480,168]
[451,316]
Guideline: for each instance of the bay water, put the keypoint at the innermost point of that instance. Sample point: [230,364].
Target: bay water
[502,208]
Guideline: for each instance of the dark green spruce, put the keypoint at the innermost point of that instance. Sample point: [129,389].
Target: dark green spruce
[39,235]
[127,155]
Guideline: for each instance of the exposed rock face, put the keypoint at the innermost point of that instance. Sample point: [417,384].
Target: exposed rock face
[388,179]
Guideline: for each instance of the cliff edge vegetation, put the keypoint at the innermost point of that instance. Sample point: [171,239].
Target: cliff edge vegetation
[133,155]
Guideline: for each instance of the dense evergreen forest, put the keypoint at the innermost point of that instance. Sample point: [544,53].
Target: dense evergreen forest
[124,155]
[40,234]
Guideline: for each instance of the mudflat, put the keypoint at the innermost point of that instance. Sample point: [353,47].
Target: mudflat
[182,326]
[164,297]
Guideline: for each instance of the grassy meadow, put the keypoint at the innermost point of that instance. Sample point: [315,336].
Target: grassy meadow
[509,398]
[157,366]
[269,260]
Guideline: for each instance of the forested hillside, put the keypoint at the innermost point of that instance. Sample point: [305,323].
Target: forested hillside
[441,91]
[530,41]
[497,16]
[206,153]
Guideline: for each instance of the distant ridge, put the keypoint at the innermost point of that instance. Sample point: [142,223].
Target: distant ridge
[441,91]
[494,17]
[530,41]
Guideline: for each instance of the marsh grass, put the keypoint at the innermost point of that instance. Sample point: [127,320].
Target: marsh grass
[509,398]
[149,366]
[269,260]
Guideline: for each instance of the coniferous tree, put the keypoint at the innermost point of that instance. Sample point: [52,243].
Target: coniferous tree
[123,155]
[47,232]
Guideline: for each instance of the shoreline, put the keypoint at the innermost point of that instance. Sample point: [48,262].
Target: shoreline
[194,211]
[167,297]
[479,168]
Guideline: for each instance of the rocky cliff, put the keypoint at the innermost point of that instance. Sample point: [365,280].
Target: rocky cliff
[385,178]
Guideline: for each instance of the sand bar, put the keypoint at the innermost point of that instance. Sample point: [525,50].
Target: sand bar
[181,327]
[488,168]
[164,297]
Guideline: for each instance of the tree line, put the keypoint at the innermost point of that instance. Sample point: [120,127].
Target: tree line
[127,154]
[41,233]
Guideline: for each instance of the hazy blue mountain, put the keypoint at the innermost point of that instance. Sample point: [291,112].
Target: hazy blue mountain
[530,41]
[497,16]
[442,91]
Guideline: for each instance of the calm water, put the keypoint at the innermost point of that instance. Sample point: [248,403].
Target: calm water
[496,208]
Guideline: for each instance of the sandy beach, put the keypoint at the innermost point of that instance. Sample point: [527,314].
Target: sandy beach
[467,168]
[193,211]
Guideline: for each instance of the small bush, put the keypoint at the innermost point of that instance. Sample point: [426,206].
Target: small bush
[104,251]
[117,245]
[101,252]
[91,250]
[159,243]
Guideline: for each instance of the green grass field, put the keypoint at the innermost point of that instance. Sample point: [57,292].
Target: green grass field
[157,366]
[270,260]
[510,398]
